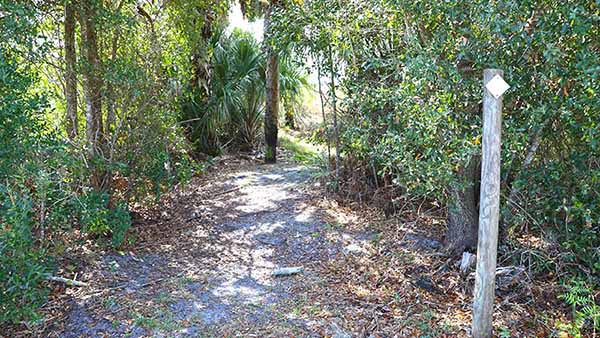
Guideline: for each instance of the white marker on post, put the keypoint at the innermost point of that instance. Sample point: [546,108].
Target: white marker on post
[497,86]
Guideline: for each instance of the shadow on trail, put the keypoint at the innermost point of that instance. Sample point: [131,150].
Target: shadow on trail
[213,277]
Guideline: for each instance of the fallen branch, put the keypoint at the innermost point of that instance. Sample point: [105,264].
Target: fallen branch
[505,275]
[226,192]
[65,280]
[287,271]
[193,218]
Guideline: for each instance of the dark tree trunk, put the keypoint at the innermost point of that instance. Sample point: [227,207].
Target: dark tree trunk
[111,109]
[272,95]
[463,208]
[111,104]
[93,80]
[201,75]
[200,83]
[70,74]
[93,85]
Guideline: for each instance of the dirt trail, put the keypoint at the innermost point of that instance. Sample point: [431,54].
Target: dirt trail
[210,276]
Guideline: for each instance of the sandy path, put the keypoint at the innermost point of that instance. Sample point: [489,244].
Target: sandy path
[213,278]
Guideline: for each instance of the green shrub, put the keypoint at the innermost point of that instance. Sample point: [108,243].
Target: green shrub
[22,264]
[45,178]
[119,223]
[98,219]
[586,311]
[94,213]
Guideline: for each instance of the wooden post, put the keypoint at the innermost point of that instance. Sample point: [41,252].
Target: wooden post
[489,209]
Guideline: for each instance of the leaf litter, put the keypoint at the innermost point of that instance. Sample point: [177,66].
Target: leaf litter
[202,262]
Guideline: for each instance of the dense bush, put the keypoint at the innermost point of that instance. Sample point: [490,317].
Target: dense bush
[45,178]
[22,264]
[411,77]
[98,219]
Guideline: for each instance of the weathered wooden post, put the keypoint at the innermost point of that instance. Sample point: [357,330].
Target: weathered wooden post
[489,204]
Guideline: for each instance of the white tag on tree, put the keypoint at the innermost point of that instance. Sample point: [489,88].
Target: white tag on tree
[497,86]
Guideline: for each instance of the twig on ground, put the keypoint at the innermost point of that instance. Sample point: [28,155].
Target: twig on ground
[65,280]
[226,191]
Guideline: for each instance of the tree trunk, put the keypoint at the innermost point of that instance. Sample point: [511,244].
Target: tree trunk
[463,208]
[324,117]
[70,74]
[200,83]
[336,135]
[93,85]
[111,105]
[272,94]
[93,81]
[201,74]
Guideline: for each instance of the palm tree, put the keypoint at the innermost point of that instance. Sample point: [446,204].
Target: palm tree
[233,113]
[247,76]
[292,83]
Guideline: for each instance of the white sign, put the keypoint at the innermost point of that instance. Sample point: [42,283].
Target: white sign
[497,86]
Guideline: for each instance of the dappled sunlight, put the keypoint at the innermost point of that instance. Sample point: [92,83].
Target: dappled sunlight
[246,290]
[267,228]
[217,258]
[260,192]
[304,168]
[305,215]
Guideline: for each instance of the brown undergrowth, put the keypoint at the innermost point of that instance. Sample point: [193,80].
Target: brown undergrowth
[407,286]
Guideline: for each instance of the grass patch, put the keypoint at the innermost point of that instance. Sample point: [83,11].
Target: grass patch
[184,281]
[165,299]
[302,152]
[161,320]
